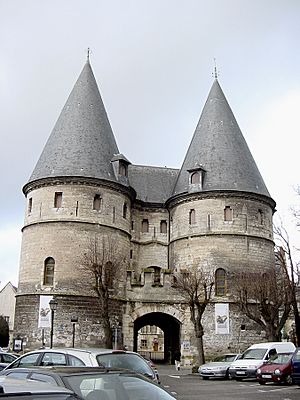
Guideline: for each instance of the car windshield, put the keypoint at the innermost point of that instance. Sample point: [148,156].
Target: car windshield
[112,386]
[225,358]
[254,354]
[133,362]
[280,358]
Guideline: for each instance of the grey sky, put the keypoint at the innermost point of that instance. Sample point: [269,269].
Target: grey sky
[153,61]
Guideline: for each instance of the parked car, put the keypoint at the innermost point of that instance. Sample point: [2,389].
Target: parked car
[95,383]
[6,358]
[296,366]
[255,356]
[13,389]
[86,357]
[218,368]
[278,369]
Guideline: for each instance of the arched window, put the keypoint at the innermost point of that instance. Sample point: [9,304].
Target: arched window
[195,177]
[145,225]
[228,213]
[49,271]
[192,217]
[220,282]
[97,202]
[122,169]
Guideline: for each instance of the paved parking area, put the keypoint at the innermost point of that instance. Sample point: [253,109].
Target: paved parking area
[187,386]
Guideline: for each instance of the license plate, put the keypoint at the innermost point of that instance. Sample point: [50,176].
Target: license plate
[266,376]
[241,372]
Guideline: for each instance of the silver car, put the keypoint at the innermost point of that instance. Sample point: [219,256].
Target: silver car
[86,357]
[218,368]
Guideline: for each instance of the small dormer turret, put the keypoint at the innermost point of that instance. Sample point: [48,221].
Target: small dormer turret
[120,167]
[196,178]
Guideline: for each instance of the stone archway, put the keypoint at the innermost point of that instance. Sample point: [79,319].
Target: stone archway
[171,327]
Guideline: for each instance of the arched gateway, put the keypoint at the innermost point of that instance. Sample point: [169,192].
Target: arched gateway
[171,328]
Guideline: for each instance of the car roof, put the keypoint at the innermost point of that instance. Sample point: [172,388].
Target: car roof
[12,385]
[67,370]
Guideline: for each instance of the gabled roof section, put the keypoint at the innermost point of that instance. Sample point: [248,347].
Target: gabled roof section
[152,184]
[219,147]
[82,142]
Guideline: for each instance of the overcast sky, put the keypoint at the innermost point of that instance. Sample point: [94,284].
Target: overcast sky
[153,61]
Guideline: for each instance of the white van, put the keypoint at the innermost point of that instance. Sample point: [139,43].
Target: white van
[255,356]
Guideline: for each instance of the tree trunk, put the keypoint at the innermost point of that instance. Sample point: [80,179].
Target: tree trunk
[201,357]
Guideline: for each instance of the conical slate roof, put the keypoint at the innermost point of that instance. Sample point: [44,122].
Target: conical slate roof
[82,142]
[220,149]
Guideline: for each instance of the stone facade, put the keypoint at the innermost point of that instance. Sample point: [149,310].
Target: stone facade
[161,221]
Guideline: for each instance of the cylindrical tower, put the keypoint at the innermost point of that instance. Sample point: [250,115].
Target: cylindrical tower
[77,193]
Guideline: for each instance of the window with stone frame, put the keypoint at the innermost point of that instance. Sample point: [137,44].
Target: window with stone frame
[192,217]
[145,226]
[144,343]
[97,202]
[163,226]
[29,205]
[49,267]
[220,282]
[195,177]
[58,199]
[228,213]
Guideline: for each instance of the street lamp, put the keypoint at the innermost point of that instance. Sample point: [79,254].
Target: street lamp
[53,307]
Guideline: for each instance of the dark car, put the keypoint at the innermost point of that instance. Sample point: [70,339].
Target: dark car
[296,367]
[13,389]
[86,357]
[278,369]
[95,383]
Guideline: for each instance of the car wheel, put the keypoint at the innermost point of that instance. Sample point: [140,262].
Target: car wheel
[288,380]
[262,382]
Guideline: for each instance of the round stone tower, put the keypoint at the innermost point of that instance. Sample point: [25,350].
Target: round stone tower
[77,191]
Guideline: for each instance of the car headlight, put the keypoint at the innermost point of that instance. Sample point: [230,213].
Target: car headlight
[277,371]
[259,371]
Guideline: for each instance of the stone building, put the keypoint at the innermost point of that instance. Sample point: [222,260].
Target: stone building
[7,307]
[214,211]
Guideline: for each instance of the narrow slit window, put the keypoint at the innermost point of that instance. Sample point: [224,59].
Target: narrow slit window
[145,226]
[49,271]
[97,202]
[228,213]
[124,210]
[260,217]
[192,217]
[58,199]
[30,205]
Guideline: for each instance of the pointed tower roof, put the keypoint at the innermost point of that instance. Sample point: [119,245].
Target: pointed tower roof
[82,142]
[220,150]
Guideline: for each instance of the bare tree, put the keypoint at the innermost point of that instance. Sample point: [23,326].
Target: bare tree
[285,258]
[105,260]
[195,286]
[265,299]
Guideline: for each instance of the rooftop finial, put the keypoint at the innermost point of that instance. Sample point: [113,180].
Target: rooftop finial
[88,55]
[216,73]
